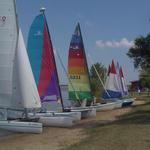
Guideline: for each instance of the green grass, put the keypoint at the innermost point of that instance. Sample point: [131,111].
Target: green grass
[130,132]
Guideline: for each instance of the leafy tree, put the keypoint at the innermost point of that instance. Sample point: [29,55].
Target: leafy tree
[140,52]
[96,86]
[145,77]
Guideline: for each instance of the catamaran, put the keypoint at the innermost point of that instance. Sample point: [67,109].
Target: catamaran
[41,56]
[17,86]
[116,89]
[126,100]
[79,88]
[104,105]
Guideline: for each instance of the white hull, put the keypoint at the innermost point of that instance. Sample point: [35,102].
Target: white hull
[76,116]
[107,106]
[119,104]
[59,121]
[89,113]
[86,112]
[127,102]
[18,126]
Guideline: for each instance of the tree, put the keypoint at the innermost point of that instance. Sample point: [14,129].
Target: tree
[96,86]
[145,77]
[140,52]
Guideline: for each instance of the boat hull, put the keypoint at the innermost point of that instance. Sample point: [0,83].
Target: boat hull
[118,104]
[76,116]
[56,121]
[103,107]
[19,126]
[86,112]
[127,102]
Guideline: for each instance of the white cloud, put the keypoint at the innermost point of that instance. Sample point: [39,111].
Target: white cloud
[123,43]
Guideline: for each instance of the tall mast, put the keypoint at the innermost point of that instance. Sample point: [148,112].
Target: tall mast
[42,10]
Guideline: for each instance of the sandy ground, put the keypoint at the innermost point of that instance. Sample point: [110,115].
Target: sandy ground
[58,138]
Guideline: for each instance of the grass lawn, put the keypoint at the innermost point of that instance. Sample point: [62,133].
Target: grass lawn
[130,132]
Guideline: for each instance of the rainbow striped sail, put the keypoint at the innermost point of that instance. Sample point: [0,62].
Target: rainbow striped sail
[79,83]
[41,55]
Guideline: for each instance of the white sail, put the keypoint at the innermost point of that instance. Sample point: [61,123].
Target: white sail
[8,41]
[17,85]
[25,94]
[119,77]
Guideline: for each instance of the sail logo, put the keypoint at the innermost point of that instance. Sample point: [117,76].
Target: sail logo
[2,18]
[38,33]
[74,47]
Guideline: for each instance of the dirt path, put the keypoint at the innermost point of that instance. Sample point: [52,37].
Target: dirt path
[58,138]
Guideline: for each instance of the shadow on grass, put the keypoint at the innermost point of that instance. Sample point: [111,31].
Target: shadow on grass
[139,115]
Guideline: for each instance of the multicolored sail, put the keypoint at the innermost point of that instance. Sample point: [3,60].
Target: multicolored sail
[41,55]
[79,83]
[111,85]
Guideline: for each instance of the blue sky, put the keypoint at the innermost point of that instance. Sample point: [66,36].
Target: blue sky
[108,27]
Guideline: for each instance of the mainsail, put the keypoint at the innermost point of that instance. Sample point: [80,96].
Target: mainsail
[8,42]
[112,85]
[79,83]
[41,56]
[123,83]
[17,86]
[119,78]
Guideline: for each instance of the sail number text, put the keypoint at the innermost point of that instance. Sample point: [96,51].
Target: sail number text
[74,77]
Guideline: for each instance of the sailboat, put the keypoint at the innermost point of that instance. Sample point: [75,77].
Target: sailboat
[123,82]
[17,86]
[79,87]
[41,56]
[126,100]
[112,84]
[115,86]
[106,105]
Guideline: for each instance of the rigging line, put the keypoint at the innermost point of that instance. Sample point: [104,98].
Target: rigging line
[67,75]
[98,75]
[85,60]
